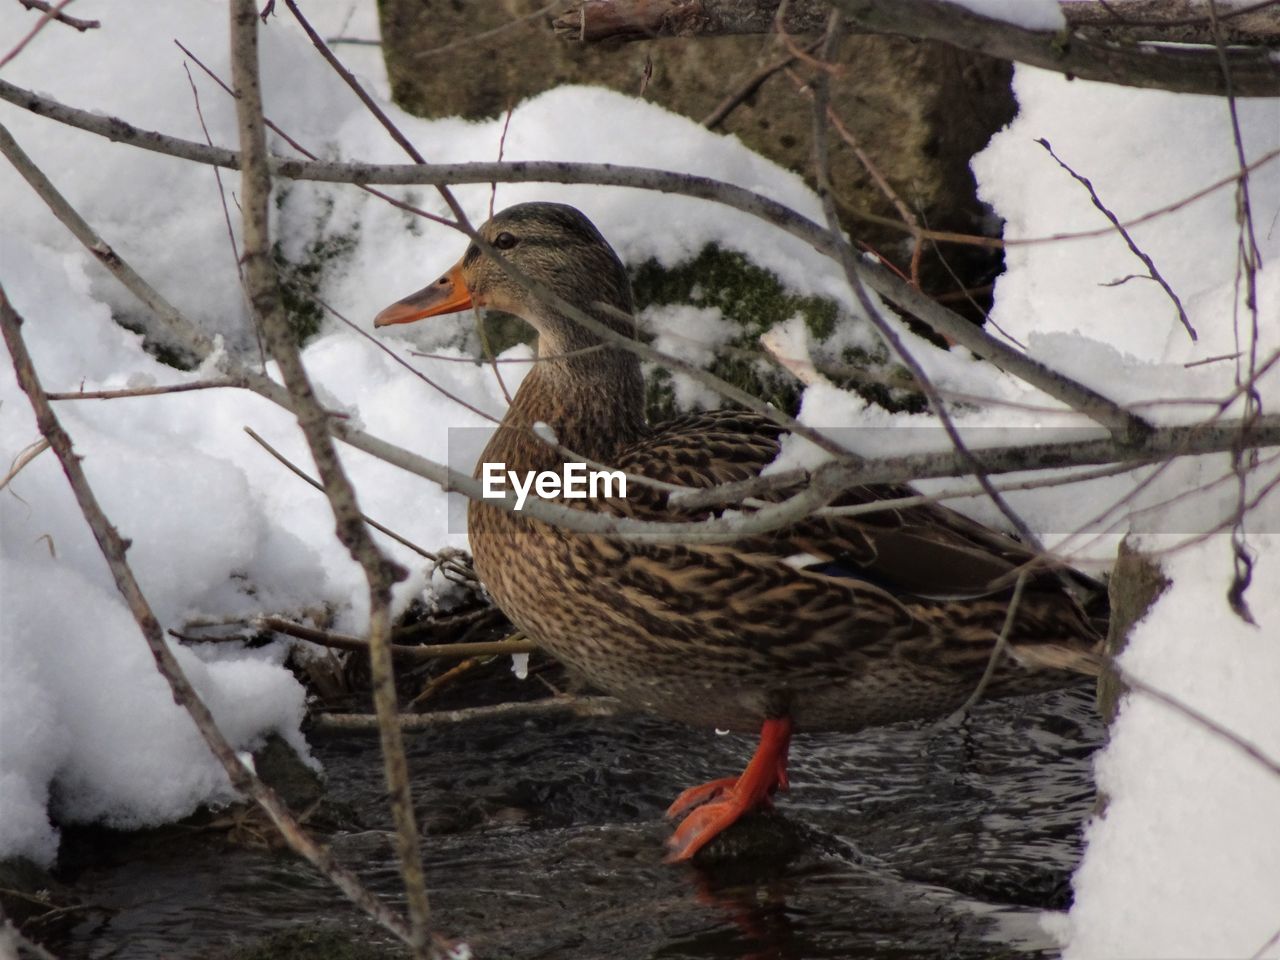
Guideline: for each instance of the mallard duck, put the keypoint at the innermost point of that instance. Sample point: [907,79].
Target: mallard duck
[831,624]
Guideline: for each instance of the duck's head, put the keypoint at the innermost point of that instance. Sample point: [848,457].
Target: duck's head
[555,246]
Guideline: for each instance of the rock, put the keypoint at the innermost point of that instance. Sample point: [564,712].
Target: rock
[283,770]
[920,110]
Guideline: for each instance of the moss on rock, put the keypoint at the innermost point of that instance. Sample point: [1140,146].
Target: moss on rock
[755,300]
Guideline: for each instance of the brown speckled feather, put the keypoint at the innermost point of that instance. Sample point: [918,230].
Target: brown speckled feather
[834,623]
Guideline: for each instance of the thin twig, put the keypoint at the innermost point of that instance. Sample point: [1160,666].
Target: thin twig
[528,361]
[559,706]
[881,182]
[404,651]
[25,456]
[1248,263]
[222,199]
[372,106]
[221,383]
[997,651]
[49,15]
[1207,360]
[472,40]
[641,178]
[748,88]
[1213,726]
[173,329]
[502,149]
[1129,427]
[973,490]
[1137,251]
[297,471]
[57,14]
[1266,947]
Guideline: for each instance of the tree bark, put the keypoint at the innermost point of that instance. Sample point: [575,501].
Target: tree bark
[1104,43]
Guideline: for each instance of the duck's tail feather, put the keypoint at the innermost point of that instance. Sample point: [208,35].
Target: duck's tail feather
[1057,656]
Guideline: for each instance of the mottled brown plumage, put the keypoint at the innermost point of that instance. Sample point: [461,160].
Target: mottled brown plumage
[831,624]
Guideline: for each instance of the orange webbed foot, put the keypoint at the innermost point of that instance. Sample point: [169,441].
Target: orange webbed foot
[720,803]
[703,793]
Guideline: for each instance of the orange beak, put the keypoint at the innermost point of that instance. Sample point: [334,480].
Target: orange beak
[449,294]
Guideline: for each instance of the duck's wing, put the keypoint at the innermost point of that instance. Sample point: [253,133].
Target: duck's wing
[925,550]
[704,450]
[928,581]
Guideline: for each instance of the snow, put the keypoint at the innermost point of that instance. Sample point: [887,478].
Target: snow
[1210,888]
[1184,861]
[693,334]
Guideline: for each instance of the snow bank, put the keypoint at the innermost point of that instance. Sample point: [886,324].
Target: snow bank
[1185,861]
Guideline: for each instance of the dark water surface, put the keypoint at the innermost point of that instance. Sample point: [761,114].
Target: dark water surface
[544,840]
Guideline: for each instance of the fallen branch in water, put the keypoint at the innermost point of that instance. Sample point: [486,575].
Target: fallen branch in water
[562,706]
[423,651]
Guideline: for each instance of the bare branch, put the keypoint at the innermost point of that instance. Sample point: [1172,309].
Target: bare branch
[886,330]
[1173,21]
[1119,21]
[1217,729]
[1165,442]
[1255,71]
[172,330]
[56,13]
[51,13]
[1152,272]
[404,651]
[562,706]
[123,394]
[997,651]
[1116,56]
[1248,263]
[1263,950]
[747,89]
[263,290]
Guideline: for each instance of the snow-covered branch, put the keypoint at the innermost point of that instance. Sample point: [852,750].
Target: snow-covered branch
[1157,444]
[911,300]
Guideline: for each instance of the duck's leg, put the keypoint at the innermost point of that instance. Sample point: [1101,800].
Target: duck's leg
[721,802]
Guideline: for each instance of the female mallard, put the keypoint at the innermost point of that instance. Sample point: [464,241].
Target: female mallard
[832,624]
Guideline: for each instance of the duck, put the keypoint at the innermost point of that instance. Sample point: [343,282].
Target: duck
[834,623]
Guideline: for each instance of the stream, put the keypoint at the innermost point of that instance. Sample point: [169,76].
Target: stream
[543,839]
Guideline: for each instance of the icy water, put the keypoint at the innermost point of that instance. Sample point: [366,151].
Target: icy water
[544,840]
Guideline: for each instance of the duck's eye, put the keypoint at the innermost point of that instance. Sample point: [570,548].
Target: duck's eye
[505,241]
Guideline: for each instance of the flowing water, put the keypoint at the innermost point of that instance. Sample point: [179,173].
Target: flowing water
[543,839]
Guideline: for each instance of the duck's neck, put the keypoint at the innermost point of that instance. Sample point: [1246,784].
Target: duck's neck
[592,402]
